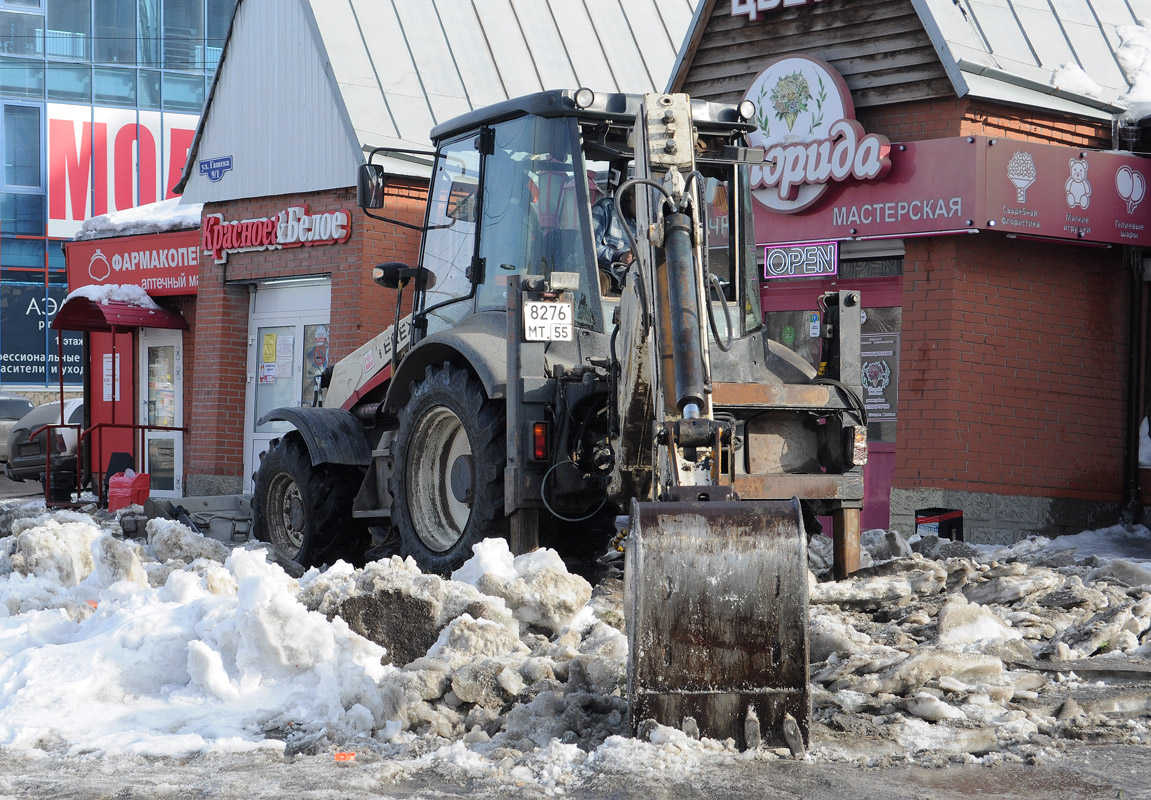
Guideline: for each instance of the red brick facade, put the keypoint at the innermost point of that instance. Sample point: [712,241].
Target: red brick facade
[214,450]
[1014,368]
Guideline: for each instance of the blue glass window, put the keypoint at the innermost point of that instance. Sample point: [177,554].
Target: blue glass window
[115,31]
[22,214]
[21,34]
[21,77]
[149,94]
[184,34]
[114,87]
[69,29]
[67,82]
[183,92]
[22,146]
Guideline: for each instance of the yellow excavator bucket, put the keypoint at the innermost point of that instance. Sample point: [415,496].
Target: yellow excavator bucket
[716,604]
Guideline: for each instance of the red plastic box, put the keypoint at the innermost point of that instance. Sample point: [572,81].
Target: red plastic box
[123,490]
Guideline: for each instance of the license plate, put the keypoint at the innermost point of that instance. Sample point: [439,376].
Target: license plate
[547,321]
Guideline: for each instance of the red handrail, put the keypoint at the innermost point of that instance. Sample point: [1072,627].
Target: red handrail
[84,435]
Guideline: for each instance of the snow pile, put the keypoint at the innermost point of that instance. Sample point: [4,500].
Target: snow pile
[161,217]
[1134,56]
[114,293]
[514,669]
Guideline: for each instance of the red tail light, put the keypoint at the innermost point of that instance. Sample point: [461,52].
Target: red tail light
[540,441]
[61,445]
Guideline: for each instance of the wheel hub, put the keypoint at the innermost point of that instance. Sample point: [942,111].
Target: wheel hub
[461,479]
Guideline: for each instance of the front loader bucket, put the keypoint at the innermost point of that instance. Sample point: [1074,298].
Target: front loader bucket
[716,604]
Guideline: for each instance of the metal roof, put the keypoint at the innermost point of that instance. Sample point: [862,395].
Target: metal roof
[82,314]
[397,68]
[1017,52]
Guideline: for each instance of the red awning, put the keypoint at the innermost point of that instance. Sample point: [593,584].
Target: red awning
[82,314]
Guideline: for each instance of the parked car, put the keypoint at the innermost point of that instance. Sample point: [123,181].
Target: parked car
[12,408]
[26,458]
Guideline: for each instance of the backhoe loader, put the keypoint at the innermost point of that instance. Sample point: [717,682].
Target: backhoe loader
[535,392]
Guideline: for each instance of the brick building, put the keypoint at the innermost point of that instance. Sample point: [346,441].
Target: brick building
[993,219]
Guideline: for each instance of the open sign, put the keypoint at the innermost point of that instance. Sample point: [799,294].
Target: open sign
[820,259]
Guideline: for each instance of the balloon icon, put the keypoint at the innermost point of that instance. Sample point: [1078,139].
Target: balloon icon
[1131,185]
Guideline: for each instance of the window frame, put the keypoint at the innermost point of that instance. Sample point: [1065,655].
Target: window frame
[41,142]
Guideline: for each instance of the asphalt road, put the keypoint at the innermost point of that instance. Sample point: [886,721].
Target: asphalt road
[13,490]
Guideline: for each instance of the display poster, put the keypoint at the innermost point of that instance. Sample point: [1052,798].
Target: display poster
[111,378]
[29,351]
[879,357]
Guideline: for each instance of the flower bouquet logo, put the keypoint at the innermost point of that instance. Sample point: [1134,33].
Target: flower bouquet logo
[806,124]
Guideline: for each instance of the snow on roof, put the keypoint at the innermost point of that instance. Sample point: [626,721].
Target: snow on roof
[114,293]
[161,217]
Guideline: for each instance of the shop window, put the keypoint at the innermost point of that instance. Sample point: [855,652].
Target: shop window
[22,146]
[69,29]
[115,25]
[21,253]
[66,82]
[183,92]
[116,87]
[22,214]
[21,34]
[184,34]
[148,95]
[20,77]
[871,268]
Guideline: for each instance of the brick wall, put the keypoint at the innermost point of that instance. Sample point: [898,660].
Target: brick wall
[214,452]
[939,119]
[1013,368]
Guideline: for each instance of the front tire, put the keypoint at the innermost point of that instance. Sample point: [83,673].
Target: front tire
[305,511]
[447,482]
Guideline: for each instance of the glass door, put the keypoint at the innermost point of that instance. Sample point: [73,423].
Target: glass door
[161,404]
[287,351]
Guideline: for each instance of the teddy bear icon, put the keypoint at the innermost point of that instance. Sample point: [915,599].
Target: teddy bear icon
[1078,187]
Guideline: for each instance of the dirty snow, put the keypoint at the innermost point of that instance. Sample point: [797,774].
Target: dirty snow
[514,669]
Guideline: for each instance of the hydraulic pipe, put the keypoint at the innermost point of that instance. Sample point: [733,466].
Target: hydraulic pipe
[684,313]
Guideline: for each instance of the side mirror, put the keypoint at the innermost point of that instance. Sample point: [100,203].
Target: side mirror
[370,186]
[396,274]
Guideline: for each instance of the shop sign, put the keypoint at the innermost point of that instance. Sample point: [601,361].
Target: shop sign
[295,226]
[214,168]
[1066,193]
[111,159]
[807,128]
[973,183]
[818,259]
[160,264]
[750,8]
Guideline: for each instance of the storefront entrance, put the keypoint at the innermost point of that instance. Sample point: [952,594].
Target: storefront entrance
[791,312]
[287,351]
[161,404]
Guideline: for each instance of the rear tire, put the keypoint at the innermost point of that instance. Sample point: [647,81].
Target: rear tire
[447,481]
[303,511]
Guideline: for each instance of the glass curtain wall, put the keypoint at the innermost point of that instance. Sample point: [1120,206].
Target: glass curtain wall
[147,55]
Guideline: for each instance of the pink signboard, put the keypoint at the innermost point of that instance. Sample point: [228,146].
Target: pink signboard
[1066,193]
[977,183]
[930,187]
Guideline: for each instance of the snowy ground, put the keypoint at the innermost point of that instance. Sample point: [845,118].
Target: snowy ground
[199,670]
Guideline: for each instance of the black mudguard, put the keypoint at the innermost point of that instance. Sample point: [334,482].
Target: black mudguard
[333,435]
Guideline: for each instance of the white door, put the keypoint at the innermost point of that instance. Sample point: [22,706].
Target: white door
[287,350]
[162,404]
